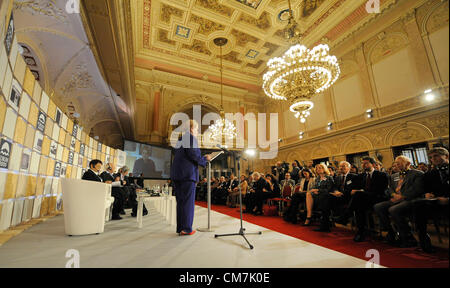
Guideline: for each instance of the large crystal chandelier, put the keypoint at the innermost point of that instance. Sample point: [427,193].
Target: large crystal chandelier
[222,129]
[300,73]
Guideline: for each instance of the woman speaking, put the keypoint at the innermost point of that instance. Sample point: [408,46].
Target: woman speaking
[184,174]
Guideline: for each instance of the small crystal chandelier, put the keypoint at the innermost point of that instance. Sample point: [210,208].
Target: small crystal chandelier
[222,128]
[301,73]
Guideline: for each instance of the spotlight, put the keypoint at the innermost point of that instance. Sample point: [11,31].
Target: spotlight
[302,134]
[429,97]
[330,126]
[369,113]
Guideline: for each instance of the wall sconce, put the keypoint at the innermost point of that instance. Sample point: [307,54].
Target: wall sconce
[301,135]
[429,95]
[369,113]
[330,126]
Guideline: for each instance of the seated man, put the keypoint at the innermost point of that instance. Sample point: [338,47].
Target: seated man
[220,193]
[343,186]
[92,175]
[399,207]
[117,184]
[257,198]
[232,189]
[369,189]
[436,197]
[287,181]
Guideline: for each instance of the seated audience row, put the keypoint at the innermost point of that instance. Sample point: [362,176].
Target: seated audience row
[403,195]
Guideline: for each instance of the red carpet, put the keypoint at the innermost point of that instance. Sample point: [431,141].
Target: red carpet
[341,240]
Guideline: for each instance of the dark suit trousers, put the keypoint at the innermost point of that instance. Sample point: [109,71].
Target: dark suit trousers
[423,210]
[185,195]
[398,211]
[361,203]
[326,203]
[118,200]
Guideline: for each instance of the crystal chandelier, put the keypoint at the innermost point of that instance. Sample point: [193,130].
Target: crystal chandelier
[300,73]
[222,128]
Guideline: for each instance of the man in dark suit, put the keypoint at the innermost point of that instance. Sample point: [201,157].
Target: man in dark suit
[184,173]
[410,187]
[260,187]
[436,198]
[344,184]
[232,184]
[295,173]
[280,171]
[368,189]
[92,175]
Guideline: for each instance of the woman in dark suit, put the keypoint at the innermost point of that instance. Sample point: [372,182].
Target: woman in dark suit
[184,174]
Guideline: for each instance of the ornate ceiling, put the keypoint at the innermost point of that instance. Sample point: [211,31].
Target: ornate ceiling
[58,49]
[177,35]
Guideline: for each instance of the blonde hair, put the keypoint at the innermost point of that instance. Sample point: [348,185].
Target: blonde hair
[324,167]
[192,124]
[404,159]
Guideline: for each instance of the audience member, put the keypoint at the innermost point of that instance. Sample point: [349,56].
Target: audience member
[423,167]
[399,207]
[354,169]
[344,183]
[295,171]
[306,184]
[436,198]
[255,203]
[323,186]
[369,189]
[92,175]
[287,181]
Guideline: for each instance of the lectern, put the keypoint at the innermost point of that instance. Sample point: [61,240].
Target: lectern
[208,172]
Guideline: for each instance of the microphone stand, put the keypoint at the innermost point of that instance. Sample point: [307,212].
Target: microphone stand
[242,229]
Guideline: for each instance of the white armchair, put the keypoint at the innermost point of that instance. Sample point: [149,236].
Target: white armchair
[86,206]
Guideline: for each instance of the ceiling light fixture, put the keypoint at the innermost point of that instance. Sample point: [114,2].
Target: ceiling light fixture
[300,73]
[222,128]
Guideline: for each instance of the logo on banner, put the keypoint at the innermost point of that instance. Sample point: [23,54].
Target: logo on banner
[75,130]
[82,148]
[42,119]
[71,154]
[5,153]
[57,172]
[72,143]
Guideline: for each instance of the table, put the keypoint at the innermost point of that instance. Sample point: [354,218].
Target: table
[165,205]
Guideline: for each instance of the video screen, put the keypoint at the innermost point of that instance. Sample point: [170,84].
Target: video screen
[151,161]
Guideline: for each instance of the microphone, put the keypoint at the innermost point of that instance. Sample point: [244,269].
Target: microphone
[230,152]
[223,148]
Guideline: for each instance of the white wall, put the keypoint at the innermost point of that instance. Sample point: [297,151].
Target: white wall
[395,78]
[440,44]
[349,97]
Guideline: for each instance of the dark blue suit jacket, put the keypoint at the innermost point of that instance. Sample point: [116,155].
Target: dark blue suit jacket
[186,161]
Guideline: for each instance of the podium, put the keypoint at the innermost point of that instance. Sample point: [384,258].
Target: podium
[208,172]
